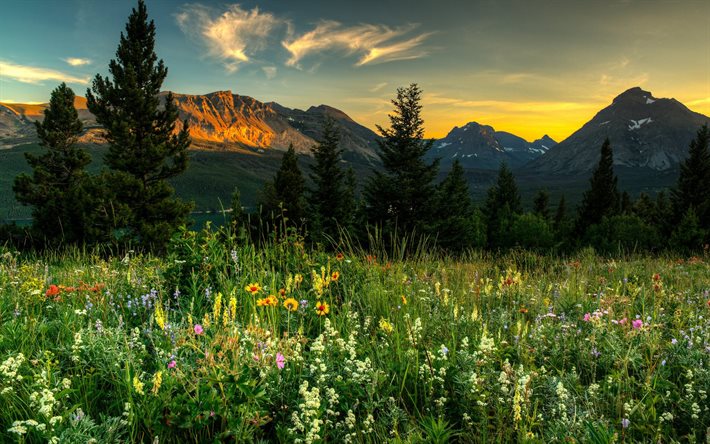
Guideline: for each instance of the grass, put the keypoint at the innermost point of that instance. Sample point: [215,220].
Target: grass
[200,346]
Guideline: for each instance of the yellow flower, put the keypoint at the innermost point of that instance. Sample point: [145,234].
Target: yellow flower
[322,308]
[269,301]
[138,385]
[385,326]
[253,288]
[217,308]
[160,317]
[291,304]
[233,308]
[404,300]
[157,381]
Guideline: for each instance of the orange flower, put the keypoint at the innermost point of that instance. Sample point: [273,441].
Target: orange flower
[269,301]
[52,291]
[523,310]
[339,257]
[282,292]
[253,288]
[322,308]
[335,276]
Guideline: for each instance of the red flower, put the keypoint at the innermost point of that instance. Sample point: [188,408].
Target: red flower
[53,291]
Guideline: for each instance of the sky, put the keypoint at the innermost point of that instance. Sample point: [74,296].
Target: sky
[529,67]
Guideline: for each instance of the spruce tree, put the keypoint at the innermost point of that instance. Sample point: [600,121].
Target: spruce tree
[693,188]
[602,198]
[286,191]
[541,204]
[327,200]
[454,224]
[503,202]
[400,197]
[54,188]
[144,148]
[560,213]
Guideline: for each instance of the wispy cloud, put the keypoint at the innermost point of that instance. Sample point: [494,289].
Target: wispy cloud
[36,75]
[373,43]
[269,71]
[233,36]
[76,61]
[378,87]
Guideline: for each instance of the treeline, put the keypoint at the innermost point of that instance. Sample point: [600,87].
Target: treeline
[131,203]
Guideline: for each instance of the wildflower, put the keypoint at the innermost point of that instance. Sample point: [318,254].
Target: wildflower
[52,291]
[339,257]
[625,423]
[335,276]
[623,321]
[253,288]
[322,308]
[404,300]
[172,364]
[269,301]
[587,317]
[291,304]
[523,310]
[138,385]
[160,317]
[198,329]
[674,341]
[637,324]
[385,326]
[304,303]
[280,361]
[157,381]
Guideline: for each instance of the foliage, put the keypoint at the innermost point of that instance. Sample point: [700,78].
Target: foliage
[503,202]
[693,188]
[400,197]
[55,187]
[602,197]
[285,193]
[146,149]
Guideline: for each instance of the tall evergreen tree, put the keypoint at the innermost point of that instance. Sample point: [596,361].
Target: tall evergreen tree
[454,224]
[54,187]
[693,188]
[144,148]
[560,213]
[541,204]
[401,195]
[602,198]
[503,202]
[327,201]
[286,190]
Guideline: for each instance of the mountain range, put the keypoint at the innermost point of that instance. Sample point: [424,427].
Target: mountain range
[646,133]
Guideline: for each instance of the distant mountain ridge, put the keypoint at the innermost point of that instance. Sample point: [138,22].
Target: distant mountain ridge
[482,147]
[645,132]
[220,120]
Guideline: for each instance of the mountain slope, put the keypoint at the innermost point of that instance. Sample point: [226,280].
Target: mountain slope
[645,132]
[482,147]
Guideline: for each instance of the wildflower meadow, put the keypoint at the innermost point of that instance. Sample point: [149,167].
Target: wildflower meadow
[225,342]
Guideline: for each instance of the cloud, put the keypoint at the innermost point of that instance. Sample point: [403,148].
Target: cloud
[522,107]
[378,87]
[269,71]
[233,36]
[373,43]
[76,61]
[35,75]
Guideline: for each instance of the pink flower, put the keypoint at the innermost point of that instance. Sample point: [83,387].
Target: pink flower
[637,324]
[623,321]
[172,364]
[256,358]
[280,361]
[198,329]
[587,317]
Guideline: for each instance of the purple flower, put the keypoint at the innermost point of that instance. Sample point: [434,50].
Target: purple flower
[198,329]
[625,423]
[674,341]
[637,324]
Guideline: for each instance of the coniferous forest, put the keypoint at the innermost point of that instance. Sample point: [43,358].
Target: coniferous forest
[385,307]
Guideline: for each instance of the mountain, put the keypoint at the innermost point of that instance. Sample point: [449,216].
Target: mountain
[645,132]
[220,120]
[482,147]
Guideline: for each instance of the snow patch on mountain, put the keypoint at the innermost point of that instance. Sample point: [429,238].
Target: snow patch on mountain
[636,124]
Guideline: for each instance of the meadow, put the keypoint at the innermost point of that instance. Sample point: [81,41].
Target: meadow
[224,341]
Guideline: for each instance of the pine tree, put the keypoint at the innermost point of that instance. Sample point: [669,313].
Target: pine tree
[560,214]
[327,200]
[693,188]
[286,191]
[454,224]
[625,203]
[144,148]
[541,204]
[54,187]
[400,197]
[602,198]
[350,202]
[503,202]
